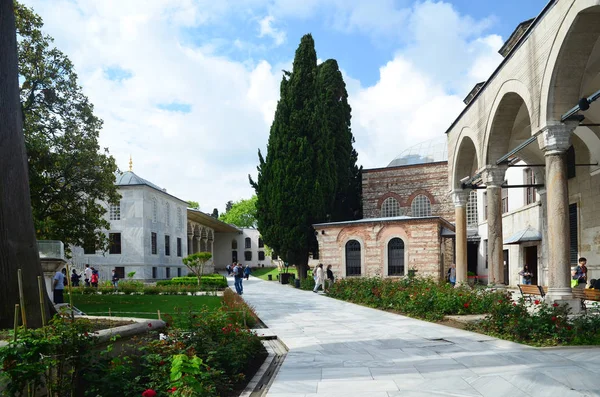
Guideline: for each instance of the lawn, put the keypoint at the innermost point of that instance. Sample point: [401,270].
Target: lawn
[264,272]
[143,306]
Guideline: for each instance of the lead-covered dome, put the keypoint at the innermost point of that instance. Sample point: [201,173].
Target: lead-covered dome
[430,151]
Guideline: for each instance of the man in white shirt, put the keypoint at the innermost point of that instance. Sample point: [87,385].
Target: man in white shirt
[320,277]
[58,285]
[88,275]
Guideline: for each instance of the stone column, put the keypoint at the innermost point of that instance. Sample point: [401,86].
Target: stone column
[493,177]
[543,254]
[460,198]
[190,239]
[196,244]
[554,142]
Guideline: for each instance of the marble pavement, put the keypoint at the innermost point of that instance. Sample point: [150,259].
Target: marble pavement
[338,349]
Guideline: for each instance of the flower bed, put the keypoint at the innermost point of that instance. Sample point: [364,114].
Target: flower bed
[416,297]
[545,325]
[207,355]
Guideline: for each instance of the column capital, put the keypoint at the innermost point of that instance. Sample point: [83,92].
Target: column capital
[493,175]
[460,197]
[556,138]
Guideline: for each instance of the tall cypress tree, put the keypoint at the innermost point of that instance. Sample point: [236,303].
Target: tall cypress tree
[310,161]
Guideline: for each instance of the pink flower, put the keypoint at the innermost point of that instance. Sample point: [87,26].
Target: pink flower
[149,393]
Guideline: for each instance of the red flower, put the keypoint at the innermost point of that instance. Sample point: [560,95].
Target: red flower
[86,334]
[537,302]
[208,368]
[514,304]
[161,363]
[466,305]
[553,318]
[555,304]
[172,390]
[149,393]
[500,301]
[149,325]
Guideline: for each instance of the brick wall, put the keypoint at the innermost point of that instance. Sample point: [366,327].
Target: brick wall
[404,183]
[422,241]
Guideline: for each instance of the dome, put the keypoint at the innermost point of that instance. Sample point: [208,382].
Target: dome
[430,151]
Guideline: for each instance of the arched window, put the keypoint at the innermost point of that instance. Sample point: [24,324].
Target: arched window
[154,210]
[472,219]
[233,244]
[352,258]
[179,219]
[421,206]
[396,257]
[248,243]
[167,214]
[390,207]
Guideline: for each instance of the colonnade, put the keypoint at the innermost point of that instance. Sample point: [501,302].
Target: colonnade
[554,141]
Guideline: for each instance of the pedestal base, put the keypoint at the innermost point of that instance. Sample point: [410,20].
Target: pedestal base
[562,296]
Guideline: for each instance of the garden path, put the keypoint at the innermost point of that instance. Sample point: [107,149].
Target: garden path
[342,349]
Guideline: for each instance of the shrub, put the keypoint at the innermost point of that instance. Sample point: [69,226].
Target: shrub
[210,282]
[545,325]
[419,297]
[307,284]
[238,310]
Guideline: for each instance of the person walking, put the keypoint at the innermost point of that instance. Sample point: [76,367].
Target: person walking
[247,272]
[88,275]
[115,279]
[75,278]
[319,279]
[94,278]
[581,272]
[228,268]
[58,287]
[238,276]
[330,279]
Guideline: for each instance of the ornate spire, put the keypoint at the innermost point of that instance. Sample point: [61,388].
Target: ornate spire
[130,163]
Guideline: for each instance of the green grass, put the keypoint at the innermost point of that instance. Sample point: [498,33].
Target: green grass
[264,272]
[143,306]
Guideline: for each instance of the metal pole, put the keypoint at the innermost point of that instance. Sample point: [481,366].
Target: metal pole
[42,300]
[22,298]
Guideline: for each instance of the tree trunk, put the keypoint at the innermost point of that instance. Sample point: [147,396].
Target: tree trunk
[18,246]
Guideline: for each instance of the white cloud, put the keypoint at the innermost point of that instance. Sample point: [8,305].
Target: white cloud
[206,155]
[267,29]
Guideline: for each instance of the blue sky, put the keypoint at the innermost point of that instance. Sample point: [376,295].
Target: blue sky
[188,88]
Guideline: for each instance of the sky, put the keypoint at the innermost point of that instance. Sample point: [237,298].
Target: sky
[188,88]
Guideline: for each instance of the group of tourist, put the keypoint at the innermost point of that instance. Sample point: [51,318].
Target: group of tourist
[323,280]
[91,278]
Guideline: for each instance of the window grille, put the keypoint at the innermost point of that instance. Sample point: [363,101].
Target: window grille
[167,246]
[353,258]
[153,243]
[248,255]
[396,257]
[390,208]
[472,218]
[179,246]
[421,206]
[115,212]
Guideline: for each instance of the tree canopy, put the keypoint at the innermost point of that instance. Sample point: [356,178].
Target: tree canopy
[242,213]
[70,176]
[194,205]
[309,174]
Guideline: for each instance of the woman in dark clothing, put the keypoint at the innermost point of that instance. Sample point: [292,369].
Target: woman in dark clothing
[75,278]
[329,280]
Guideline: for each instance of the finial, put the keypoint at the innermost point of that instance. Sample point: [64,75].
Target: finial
[130,163]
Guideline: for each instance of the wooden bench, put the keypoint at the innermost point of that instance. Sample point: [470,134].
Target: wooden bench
[586,295]
[529,290]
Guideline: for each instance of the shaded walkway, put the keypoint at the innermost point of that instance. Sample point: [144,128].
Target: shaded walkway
[341,349]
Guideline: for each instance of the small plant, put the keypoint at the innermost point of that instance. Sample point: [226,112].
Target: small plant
[195,262]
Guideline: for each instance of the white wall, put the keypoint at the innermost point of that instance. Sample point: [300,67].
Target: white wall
[223,249]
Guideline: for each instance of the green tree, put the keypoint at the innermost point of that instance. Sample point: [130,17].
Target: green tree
[242,213]
[196,262]
[18,248]
[310,166]
[70,177]
[194,205]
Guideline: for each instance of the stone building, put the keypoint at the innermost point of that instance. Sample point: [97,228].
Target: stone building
[407,224]
[244,245]
[538,107]
[150,233]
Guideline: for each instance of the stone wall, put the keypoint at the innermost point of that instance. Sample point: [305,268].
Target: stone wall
[423,244]
[404,183]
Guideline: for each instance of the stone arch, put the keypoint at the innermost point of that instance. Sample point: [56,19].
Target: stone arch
[509,121]
[388,195]
[578,38]
[421,192]
[385,235]
[466,158]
